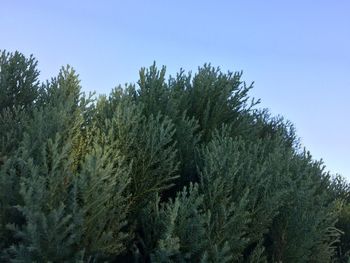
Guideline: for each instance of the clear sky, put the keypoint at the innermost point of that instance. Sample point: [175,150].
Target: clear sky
[297,52]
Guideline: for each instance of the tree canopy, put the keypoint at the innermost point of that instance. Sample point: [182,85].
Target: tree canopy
[178,169]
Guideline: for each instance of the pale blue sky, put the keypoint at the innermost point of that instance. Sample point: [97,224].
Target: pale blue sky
[297,52]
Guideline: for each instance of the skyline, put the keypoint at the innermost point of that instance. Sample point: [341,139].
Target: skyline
[296,53]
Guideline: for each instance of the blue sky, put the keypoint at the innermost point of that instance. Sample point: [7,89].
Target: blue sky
[297,52]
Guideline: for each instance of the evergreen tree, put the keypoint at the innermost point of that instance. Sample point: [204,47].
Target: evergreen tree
[18,80]
[184,169]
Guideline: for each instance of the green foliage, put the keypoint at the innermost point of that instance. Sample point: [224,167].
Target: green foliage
[9,198]
[308,215]
[52,218]
[102,186]
[12,122]
[344,225]
[340,190]
[174,231]
[147,143]
[185,169]
[242,188]
[228,216]
[18,80]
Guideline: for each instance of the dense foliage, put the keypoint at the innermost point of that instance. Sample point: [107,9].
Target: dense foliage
[184,169]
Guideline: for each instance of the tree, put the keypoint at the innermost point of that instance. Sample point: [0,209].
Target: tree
[19,83]
[184,169]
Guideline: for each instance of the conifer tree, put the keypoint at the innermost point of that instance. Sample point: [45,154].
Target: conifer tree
[18,80]
[184,169]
